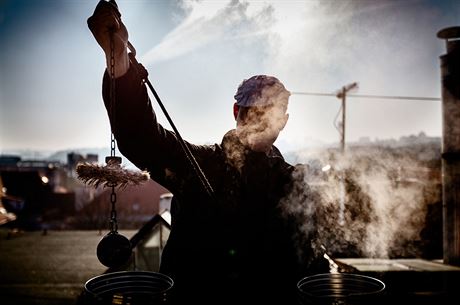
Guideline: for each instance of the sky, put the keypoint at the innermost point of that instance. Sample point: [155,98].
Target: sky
[198,52]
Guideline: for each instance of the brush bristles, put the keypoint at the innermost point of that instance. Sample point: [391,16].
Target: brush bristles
[110,175]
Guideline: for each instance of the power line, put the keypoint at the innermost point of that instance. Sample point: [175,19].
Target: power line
[412,98]
[313,93]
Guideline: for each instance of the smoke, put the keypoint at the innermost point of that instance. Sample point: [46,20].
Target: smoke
[364,203]
[258,127]
[297,36]
[369,202]
[388,47]
[206,22]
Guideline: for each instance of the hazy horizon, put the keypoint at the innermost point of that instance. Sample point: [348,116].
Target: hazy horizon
[40,154]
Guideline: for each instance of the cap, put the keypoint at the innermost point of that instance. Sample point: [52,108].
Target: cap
[259,90]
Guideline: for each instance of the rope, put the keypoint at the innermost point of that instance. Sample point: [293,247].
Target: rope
[188,154]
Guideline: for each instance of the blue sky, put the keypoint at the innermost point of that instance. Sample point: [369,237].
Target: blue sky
[198,52]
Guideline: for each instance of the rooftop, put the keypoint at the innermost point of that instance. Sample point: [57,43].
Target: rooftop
[47,269]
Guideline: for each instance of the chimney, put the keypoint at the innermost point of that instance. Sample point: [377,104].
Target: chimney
[450,81]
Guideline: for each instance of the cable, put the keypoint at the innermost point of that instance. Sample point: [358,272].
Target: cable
[413,98]
[336,125]
[313,93]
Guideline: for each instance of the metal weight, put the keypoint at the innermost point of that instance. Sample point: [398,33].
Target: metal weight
[114,250]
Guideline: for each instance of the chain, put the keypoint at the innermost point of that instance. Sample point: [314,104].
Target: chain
[112,93]
[113,195]
[113,212]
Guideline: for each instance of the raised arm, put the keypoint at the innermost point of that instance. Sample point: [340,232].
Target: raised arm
[106,23]
[139,136]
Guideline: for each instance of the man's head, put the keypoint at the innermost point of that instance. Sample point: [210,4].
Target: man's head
[260,111]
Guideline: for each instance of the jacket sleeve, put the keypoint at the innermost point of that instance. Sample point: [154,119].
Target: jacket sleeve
[139,136]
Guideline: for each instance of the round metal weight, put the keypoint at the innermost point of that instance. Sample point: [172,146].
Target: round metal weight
[339,288]
[128,287]
[114,250]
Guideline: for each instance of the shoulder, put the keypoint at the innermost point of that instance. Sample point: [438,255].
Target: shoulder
[207,151]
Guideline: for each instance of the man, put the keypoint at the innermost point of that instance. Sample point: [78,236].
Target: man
[236,247]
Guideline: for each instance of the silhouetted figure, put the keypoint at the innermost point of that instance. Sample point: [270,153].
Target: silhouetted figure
[238,247]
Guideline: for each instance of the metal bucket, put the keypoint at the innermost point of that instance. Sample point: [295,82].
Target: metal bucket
[128,287]
[339,288]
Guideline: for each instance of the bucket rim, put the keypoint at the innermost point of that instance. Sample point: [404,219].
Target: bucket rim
[116,274]
[369,279]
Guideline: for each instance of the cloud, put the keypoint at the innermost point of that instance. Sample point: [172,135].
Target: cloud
[205,23]
[336,39]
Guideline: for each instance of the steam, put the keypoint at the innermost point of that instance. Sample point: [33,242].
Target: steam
[211,21]
[312,34]
[205,23]
[320,46]
[259,127]
[384,203]
[362,204]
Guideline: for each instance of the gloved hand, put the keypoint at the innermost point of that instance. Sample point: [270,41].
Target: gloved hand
[104,23]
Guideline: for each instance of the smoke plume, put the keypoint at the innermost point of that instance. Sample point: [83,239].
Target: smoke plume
[369,202]
[318,46]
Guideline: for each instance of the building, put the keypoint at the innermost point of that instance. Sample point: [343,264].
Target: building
[37,192]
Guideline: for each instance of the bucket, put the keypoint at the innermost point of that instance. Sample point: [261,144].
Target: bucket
[339,288]
[128,287]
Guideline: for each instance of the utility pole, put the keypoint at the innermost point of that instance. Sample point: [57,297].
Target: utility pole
[342,94]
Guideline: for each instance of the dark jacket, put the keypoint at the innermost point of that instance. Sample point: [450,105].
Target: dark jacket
[236,247]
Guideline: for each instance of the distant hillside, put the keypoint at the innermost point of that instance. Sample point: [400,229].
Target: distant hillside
[419,147]
[102,152]
[427,147]
[61,155]
[28,154]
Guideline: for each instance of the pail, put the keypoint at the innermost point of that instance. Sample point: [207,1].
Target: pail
[128,287]
[339,288]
